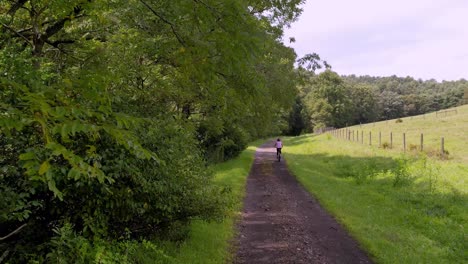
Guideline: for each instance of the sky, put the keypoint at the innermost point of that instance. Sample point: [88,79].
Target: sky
[425,39]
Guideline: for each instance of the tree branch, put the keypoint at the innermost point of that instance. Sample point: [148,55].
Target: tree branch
[16,6]
[60,41]
[14,232]
[18,34]
[58,25]
[181,41]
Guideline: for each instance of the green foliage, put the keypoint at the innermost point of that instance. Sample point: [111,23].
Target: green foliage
[68,247]
[338,101]
[111,111]
[401,173]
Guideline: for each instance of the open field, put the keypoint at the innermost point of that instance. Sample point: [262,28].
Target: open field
[402,209]
[451,125]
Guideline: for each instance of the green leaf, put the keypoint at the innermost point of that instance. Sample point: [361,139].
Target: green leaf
[27,156]
[74,173]
[44,167]
[52,186]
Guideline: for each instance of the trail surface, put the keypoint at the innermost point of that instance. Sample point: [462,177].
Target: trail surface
[283,223]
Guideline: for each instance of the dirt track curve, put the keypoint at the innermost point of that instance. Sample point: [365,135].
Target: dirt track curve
[282,223]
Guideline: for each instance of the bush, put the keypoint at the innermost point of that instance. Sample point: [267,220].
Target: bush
[399,120]
[386,145]
[401,172]
[223,144]
[433,152]
[68,247]
[97,173]
[413,147]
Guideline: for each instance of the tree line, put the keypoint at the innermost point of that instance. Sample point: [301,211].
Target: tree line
[330,100]
[111,112]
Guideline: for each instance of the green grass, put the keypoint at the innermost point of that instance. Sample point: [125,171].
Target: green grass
[452,126]
[400,208]
[210,242]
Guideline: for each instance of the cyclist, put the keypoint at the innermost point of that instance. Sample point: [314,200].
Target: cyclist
[278,146]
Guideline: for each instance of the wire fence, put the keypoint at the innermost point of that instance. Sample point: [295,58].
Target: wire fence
[389,140]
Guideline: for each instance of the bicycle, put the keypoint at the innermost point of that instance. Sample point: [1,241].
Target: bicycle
[278,155]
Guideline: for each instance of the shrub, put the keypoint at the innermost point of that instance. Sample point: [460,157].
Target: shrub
[413,147]
[365,173]
[100,174]
[401,172]
[386,145]
[433,152]
[399,120]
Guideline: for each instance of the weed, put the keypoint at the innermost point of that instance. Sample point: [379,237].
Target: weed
[364,174]
[401,172]
[386,145]
[432,152]
[432,174]
[360,176]
[413,147]
[345,170]
[399,120]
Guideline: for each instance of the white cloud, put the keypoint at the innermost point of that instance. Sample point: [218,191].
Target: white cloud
[424,39]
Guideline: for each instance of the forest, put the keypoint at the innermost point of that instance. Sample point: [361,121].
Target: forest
[112,112]
[330,100]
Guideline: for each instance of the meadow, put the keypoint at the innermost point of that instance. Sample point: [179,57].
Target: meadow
[405,208]
[452,124]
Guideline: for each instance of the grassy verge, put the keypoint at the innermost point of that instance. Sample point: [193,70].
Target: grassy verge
[401,209]
[209,242]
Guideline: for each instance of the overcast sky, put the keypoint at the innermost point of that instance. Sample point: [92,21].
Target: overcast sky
[419,38]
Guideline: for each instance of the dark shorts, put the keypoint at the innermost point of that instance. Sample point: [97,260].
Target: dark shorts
[278,150]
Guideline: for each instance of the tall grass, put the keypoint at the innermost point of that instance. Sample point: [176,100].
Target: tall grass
[402,209]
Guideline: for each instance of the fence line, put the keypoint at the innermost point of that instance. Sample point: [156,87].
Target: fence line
[353,135]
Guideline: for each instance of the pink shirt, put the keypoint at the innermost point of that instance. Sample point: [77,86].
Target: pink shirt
[279,144]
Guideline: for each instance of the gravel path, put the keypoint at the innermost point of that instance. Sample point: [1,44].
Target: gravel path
[283,223]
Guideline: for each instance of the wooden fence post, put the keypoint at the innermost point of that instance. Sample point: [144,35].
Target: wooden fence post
[442,150]
[404,142]
[391,139]
[353,135]
[422,141]
[362,137]
[380,139]
[370,138]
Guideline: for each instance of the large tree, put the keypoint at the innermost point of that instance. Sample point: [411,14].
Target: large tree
[109,110]
[328,101]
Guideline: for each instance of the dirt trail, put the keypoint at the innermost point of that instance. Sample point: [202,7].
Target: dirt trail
[282,223]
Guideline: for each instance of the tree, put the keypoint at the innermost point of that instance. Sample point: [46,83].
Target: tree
[364,103]
[110,110]
[328,100]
